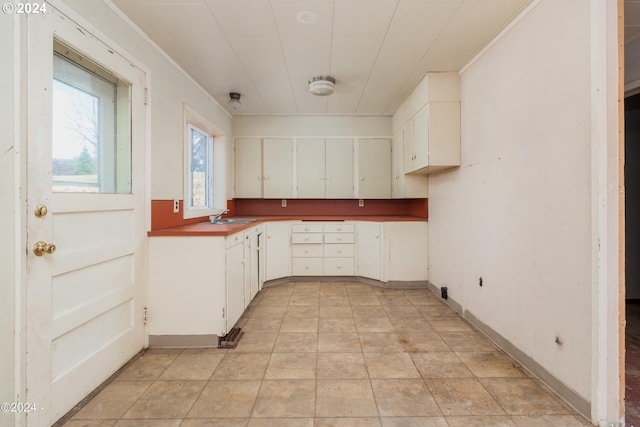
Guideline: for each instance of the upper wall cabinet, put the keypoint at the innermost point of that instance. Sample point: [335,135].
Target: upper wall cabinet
[325,168]
[429,121]
[264,168]
[374,168]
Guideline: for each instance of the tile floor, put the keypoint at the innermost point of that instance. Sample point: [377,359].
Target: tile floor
[333,354]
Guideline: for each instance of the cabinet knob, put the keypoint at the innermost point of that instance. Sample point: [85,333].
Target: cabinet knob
[322,178]
[260,177]
[306,238]
[339,266]
[339,251]
[328,178]
[362,178]
[339,228]
[306,229]
[339,239]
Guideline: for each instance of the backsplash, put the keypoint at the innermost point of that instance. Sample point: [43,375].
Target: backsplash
[162,215]
[331,207]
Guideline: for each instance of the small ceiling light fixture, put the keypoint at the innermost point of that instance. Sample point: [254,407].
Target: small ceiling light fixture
[306,17]
[321,85]
[234,101]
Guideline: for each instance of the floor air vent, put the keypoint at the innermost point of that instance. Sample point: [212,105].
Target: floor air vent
[231,339]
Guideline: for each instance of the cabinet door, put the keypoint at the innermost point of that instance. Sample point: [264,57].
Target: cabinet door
[409,147]
[397,166]
[374,168]
[369,250]
[248,168]
[444,134]
[405,251]
[339,168]
[311,168]
[421,139]
[278,168]
[252,267]
[235,284]
[278,250]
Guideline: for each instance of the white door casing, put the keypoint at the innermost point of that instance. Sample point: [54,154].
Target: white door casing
[85,300]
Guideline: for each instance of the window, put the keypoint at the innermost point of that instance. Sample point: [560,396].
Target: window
[199,169]
[204,161]
[91,142]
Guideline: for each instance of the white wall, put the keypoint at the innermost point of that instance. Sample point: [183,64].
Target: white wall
[518,211]
[169,90]
[320,126]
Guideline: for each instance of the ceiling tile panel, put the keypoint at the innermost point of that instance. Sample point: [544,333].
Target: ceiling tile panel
[234,20]
[385,82]
[479,22]
[362,19]
[264,63]
[378,50]
[414,28]
[351,61]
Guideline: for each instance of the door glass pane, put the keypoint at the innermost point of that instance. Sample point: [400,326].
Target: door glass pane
[91,146]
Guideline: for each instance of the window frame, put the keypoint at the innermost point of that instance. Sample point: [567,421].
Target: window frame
[215,195]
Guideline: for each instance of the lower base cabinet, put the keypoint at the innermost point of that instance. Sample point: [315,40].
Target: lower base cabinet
[199,286]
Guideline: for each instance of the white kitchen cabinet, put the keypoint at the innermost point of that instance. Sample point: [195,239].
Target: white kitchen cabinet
[323,249]
[436,138]
[374,168]
[278,250]
[404,186]
[248,167]
[325,168]
[235,280]
[187,290]
[369,249]
[263,168]
[405,251]
[253,274]
[430,119]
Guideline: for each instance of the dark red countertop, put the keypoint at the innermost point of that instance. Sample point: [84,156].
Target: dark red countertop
[207,229]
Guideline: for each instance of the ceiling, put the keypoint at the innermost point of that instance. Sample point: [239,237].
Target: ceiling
[377,50]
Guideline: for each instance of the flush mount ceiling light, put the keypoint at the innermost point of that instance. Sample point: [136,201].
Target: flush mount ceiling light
[234,101]
[306,17]
[321,85]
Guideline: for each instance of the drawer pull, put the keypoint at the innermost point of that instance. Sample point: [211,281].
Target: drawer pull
[339,266]
[339,251]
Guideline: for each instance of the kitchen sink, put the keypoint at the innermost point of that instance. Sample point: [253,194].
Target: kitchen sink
[232,221]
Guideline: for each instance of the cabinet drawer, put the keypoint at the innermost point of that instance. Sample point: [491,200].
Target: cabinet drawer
[339,238]
[233,240]
[338,228]
[338,266]
[307,266]
[306,238]
[307,251]
[307,228]
[339,250]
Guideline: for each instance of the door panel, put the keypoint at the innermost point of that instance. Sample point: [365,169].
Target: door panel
[311,168]
[85,299]
[339,161]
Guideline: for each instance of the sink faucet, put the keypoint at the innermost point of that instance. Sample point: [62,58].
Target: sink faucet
[218,216]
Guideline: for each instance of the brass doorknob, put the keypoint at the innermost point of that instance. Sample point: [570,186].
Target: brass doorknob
[41,248]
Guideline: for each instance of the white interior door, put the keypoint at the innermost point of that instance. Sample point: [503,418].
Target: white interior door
[85,151]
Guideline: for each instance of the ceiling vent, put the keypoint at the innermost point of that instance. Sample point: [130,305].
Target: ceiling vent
[321,85]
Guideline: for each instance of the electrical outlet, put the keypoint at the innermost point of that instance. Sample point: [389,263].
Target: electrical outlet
[361,203]
[176,205]
[284,203]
